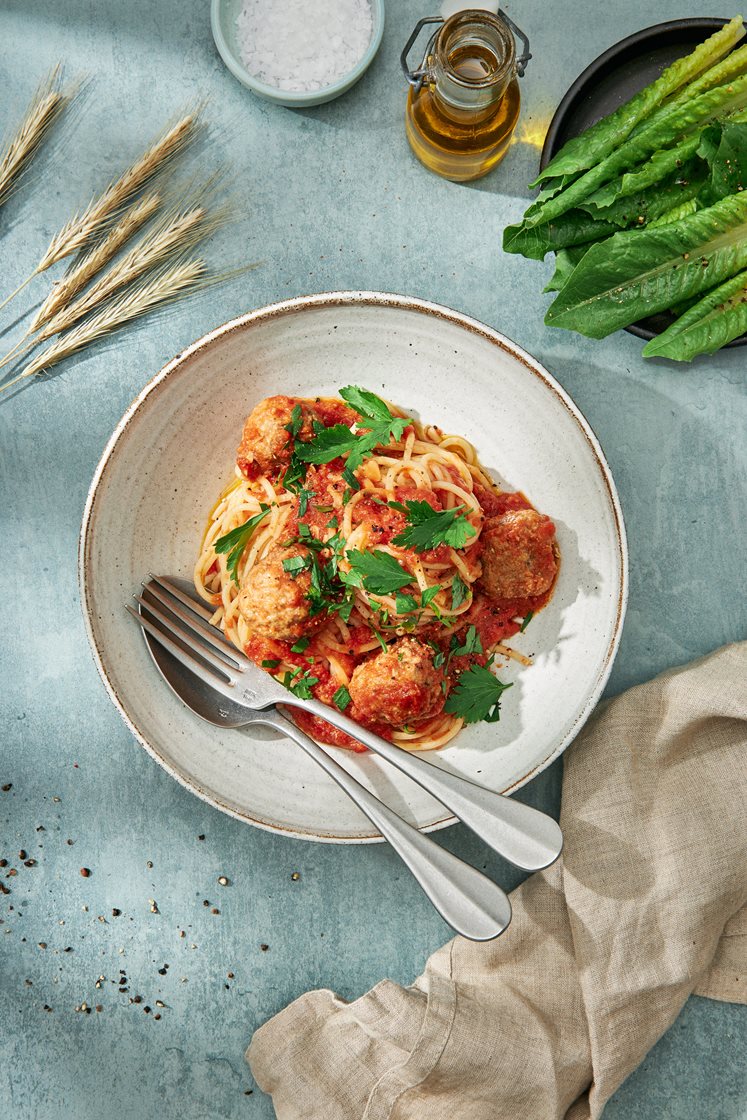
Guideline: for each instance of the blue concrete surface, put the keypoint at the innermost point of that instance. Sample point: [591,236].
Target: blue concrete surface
[330,198]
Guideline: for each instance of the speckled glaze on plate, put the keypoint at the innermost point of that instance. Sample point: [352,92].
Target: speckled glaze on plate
[173,451]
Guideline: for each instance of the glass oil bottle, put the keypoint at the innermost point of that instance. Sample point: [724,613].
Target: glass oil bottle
[464,101]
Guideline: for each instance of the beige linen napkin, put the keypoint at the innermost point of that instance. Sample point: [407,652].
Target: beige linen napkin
[648,905]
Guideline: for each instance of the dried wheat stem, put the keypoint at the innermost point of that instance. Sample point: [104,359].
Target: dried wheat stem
[94,260]
[169,283]
[21,347]
[172,235]
[80,230]
[46,107]
[20,288]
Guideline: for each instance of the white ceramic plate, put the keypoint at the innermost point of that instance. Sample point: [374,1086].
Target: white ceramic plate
[173,451]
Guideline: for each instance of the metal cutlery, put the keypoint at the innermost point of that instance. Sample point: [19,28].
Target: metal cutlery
[238,693]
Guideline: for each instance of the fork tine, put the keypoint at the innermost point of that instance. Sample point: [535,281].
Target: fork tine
[194,604]
[189,639]
[172,597]
[202,671]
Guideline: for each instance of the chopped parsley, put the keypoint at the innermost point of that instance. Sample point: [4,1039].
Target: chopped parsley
[341,698]
[300,683]
[300,645]
[476,696]
[376,571]
[406,604]
[428,597]
[338,440]
[459,592]
[296,421]
[428,527]
[271,663]
[294,565]
[236,541]
[472,643]
[527,619]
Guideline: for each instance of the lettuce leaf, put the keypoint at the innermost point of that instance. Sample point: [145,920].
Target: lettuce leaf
[565,262]
[662,133]
[676,214]
[573,228]
[707,326]
[582,152]
[666,162]
[639,272]
[647,205]
[729,161]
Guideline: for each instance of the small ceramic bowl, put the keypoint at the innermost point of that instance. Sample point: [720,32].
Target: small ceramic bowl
[223,18]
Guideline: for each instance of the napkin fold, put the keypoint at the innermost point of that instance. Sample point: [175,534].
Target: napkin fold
[647,905]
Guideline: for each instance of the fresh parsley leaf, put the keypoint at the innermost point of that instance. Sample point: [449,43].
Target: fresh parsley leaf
[376,571]
[476,696]
[327,445]
[341,698]
[236,541]
[406,604]
[379,638]
[459,592]
[527,619]
[365,403]
[295,474]
[294,565]
[350,478]
[300,645]
[472,643]
[296,421]
[426,599]
[345,607]
[338,440]
[429,527]
[304,497]
[270,663]
[300,683]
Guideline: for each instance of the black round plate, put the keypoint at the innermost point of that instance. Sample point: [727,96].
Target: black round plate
[613,78]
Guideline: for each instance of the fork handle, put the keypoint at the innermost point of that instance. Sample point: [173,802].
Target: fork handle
[528,838]
[469,901]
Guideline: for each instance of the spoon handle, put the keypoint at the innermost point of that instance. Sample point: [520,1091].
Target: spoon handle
[472,904]
[528,838]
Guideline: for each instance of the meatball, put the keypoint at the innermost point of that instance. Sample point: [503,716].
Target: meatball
[266,443]
[519,557]
[399,687]
[273,602]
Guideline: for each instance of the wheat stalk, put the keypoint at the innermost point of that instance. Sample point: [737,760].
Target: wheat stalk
[45,108]
[80,230]
[80,274]
[169,283]
[174,234]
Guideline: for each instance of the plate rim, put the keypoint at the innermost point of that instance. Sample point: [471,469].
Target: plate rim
[293,305]
[597,66]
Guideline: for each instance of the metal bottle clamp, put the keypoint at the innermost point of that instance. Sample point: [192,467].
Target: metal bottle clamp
[417,77]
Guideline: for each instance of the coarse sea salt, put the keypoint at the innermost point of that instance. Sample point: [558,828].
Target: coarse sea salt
[296,45]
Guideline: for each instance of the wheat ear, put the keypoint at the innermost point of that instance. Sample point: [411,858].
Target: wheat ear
[168,284]
[80,274]
[81,229]
[173,235]
[45,108]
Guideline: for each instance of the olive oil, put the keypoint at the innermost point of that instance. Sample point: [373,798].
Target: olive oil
[460,119]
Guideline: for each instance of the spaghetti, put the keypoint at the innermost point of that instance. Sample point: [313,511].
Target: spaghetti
[381,569]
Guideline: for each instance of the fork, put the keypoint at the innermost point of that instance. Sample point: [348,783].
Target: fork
[526,837]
